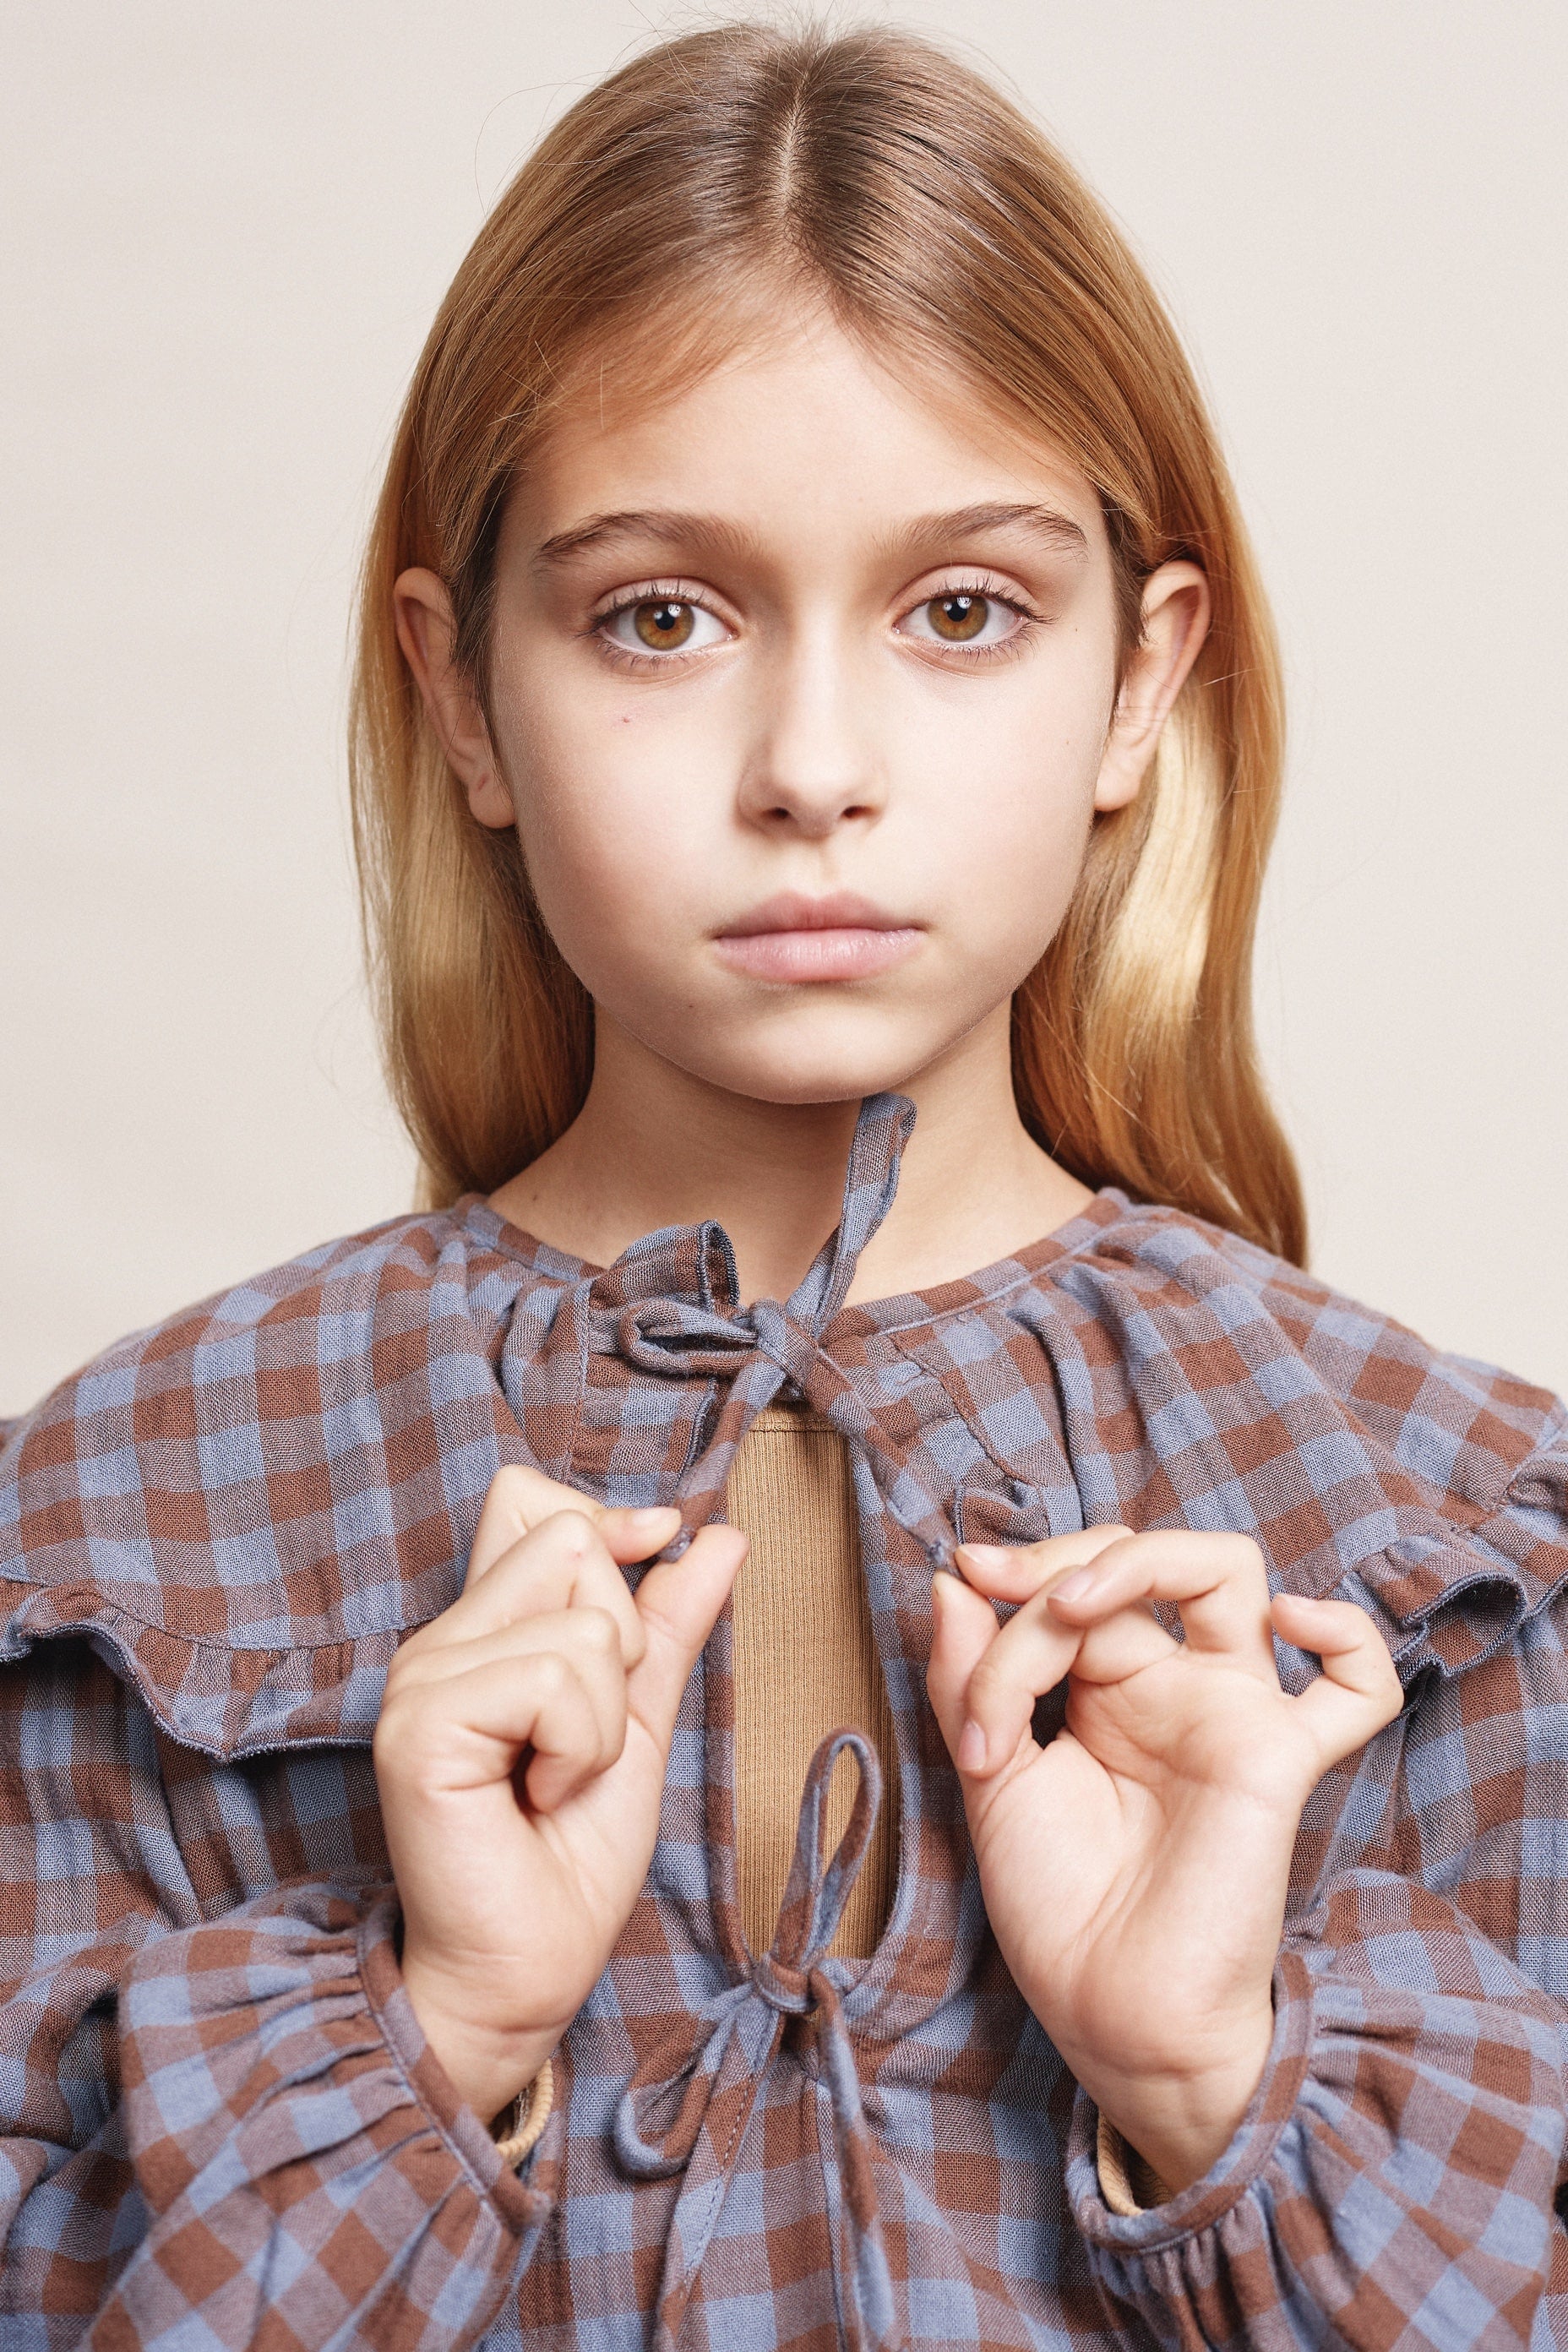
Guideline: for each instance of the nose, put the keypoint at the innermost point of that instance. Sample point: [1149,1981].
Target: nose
[813,760]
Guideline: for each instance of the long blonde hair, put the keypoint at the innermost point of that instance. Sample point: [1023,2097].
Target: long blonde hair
[937,222]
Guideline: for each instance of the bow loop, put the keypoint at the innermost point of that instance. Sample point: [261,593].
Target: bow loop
[819,1885]
[658,2123]
[676,1337]
[672,1337]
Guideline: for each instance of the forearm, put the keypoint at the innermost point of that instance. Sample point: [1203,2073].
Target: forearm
[276,2094]
[1398,2158]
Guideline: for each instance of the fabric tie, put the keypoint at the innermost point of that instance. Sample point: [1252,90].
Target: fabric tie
[693,2120]
[671,1307]
[674,1337]
[710,1333]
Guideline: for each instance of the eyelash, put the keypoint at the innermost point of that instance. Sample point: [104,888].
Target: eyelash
[675,592]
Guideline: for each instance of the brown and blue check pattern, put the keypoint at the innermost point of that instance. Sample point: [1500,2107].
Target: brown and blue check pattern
[219,2127]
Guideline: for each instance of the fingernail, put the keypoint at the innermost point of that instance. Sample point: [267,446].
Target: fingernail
[645,1521]
[972,1747]
[1074,1587]
[984,1555]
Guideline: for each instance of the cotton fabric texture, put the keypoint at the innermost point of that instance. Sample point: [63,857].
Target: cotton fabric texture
[221,2124]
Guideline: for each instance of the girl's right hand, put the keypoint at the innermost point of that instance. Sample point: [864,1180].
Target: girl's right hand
[516,1883]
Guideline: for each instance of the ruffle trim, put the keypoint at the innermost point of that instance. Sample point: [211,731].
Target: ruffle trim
[1447,1599]
[223,1700]
[1444,1597]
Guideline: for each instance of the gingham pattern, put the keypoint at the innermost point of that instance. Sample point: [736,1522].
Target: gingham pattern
[221,2127]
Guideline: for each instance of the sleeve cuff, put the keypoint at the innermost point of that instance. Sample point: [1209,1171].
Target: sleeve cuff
[1124,2224]
[524,2205]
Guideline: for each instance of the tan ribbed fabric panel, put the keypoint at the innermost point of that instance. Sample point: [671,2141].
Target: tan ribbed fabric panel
[805,1665]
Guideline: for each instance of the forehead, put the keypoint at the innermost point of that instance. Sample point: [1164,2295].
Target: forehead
[800,429]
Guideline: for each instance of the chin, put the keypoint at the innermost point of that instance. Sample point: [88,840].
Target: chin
[815,1078]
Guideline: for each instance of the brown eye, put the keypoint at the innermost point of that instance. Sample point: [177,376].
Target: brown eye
[664,624]
[956,619]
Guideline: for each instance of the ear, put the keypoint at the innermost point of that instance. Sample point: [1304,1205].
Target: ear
[1177,609]
[427,633]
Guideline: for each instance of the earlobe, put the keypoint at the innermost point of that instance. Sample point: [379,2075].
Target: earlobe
[491,800]
[426,632]
[1176,612]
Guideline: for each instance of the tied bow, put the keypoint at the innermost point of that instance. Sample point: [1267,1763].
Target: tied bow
[694,2121]
[710,1333]
[675,1336]
[670,1306]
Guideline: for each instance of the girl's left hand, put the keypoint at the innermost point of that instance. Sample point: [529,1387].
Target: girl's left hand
[1135,1869]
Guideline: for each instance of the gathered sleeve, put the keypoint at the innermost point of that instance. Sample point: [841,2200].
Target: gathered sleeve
[1394,2179]
[217,2125]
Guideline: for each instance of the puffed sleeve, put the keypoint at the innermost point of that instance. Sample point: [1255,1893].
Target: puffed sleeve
[1394,2181]
[223,2129]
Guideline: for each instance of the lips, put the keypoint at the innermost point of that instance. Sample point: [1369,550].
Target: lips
[792,910]
[790,938]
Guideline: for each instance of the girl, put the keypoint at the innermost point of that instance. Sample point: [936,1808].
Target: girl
[817,741]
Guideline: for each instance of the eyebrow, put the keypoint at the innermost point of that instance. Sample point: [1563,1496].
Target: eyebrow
[667,526]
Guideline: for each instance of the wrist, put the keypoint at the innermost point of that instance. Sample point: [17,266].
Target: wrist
[487,2066]
[1181,2121]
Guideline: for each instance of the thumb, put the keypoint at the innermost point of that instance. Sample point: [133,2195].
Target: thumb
[678,1603]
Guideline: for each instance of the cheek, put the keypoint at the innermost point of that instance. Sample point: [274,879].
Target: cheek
[612,824]
[1007,797]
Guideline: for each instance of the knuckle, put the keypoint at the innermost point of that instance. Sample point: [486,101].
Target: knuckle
[987,1683]
[1242,1555]
[411,1661]
[401,1741]
[398,1707]
[599,1632]
[574,1531]
[511,1478]
[550,1674]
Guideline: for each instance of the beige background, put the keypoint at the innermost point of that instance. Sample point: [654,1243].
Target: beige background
[226,229]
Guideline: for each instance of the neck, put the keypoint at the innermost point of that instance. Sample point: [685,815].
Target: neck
[655,1145]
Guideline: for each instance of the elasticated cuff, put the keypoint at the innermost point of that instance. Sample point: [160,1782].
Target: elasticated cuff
[524,2205]
[1199,2206]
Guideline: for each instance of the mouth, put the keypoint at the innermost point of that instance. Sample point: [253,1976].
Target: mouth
[792,938]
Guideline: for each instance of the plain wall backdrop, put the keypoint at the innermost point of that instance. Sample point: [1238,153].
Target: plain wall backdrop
[227,229]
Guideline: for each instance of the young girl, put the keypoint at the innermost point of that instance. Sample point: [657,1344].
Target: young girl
[818,745]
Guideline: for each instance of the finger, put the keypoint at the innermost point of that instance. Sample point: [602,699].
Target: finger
[1024,1659]
[589,1638]
[1029,1657]
[565,1559]
[468,1733]
[1218,1583]
[1359,1689]
[516,1500]
[1120,1646]
[963,1627]
[678,1603]
[521,1498]
[578,1732]
[1017,1571]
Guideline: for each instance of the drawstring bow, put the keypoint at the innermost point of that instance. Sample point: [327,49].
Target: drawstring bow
[693,2120]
